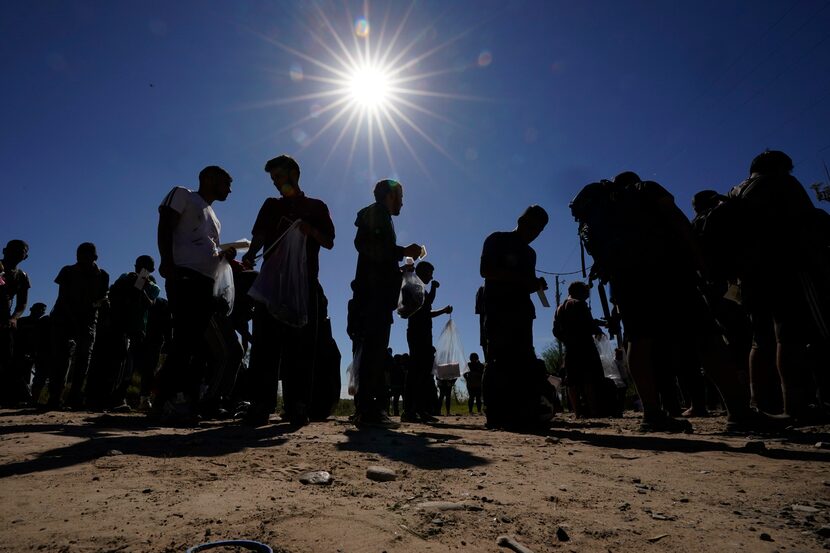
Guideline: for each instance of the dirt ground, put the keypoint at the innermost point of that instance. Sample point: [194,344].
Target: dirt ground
[83,482]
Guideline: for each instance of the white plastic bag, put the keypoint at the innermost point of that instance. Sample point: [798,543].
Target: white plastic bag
[352,372]
[223,283]
[609,366]
[282,283]
[412,293]
[449,360]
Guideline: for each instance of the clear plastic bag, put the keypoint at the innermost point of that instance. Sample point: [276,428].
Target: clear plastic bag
[609,365]
[223,284]
[352,372]
[282,284]
[449,360]
[412,293]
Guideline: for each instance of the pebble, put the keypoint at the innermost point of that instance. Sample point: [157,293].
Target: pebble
[114,452]
[561,535]
[805,509]
[765,537]
[381,474]
[318,477]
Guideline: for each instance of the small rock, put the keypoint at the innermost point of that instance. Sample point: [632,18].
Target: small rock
[684,500]
[661,516]
[147,490]
[381,474]
[765,537]
[561,535]
[805,509]
[563,488]
[114,452]
[506,519]
[96,478]
[755,446]
[316,477]
[437,522]
[624,506]
[636,480]
[655,539]
[552,440]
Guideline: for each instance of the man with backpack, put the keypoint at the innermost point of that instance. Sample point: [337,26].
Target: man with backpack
[645,247]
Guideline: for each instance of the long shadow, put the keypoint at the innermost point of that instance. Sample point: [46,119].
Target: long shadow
[684,444]
[414,449]
[211,442]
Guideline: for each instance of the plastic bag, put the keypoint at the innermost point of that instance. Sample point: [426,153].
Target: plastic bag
[282,284]
[412,293]
[223,284]
[449,360]
[352,372]
[609,366]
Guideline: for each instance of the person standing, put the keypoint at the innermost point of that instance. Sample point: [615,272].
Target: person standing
[280,351]
[473,379]
[188,242]
[14,291]
[375,287]
[82,290]
[419,396]
[508,266]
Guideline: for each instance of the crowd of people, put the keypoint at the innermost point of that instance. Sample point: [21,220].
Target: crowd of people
[731,306]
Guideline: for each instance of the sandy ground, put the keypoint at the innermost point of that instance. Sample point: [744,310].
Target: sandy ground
[82,482]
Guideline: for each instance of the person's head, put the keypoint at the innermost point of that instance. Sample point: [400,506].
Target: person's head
[38,309]
[771,162]
[15,252]
[389,193]
[579,290]
[619,354]
[86,254]
[627,178]
[531,223]
[214,184]
[424,270]
[473,358]
[285,174]
[705,200]
[145,262]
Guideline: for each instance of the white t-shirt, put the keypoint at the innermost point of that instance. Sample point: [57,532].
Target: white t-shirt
[196,237]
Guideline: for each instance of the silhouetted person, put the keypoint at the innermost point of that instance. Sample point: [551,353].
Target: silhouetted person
[783,269]
[473,378]
[482,320]
[575,327]
[158,339]
[82,290]
[376,287]
[396,381]
[28,350]
[188,242]
[633,228]
[280,351]
[508,265]
[14,295]
[419,396]
[445,387]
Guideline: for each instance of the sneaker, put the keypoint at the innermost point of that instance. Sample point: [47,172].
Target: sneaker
[426,418]
[757,421]
[666,423]
[380,420]
[122,408]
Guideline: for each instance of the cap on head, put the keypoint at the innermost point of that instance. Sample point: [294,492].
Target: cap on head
[771,162]
[285,162]
[384,187]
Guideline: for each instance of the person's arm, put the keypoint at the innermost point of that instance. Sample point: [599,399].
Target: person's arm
[324,240]
[168,219]
[443,311]
[19,306]
[249,259]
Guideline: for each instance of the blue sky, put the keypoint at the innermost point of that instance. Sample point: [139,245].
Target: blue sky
[108,104]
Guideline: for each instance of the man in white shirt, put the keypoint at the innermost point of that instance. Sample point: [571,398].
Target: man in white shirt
[188,241]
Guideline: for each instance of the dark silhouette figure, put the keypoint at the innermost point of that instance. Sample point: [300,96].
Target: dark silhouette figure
[375,289]
[473,378]
[445,387]
[14,295]
[280,351]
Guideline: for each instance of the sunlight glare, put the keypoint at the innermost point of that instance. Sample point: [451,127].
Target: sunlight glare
[369,87]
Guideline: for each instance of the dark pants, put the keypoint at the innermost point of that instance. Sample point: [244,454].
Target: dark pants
[72,344]
[419,387]
[474,399]
[369,329]
[510,393]
[190,295]
[281,352]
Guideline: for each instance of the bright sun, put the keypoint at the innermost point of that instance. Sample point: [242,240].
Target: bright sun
[369,87]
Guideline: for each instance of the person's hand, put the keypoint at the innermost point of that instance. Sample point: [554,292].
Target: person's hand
[249,260]
[12,323]
[229,254]
[436,284]
[412,250]
[541,284]
[448,309]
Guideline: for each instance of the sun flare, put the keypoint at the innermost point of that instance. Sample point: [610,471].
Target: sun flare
[369,87]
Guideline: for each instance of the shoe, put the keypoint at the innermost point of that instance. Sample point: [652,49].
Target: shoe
[178,412]
[371,420]
[410,417]
[426,418]
[122,408]
[665,423]
[256,418]
[145,404]
[757,421]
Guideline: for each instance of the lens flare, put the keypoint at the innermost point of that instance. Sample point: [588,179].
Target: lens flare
[485,58]
[296,72]
[361,27]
